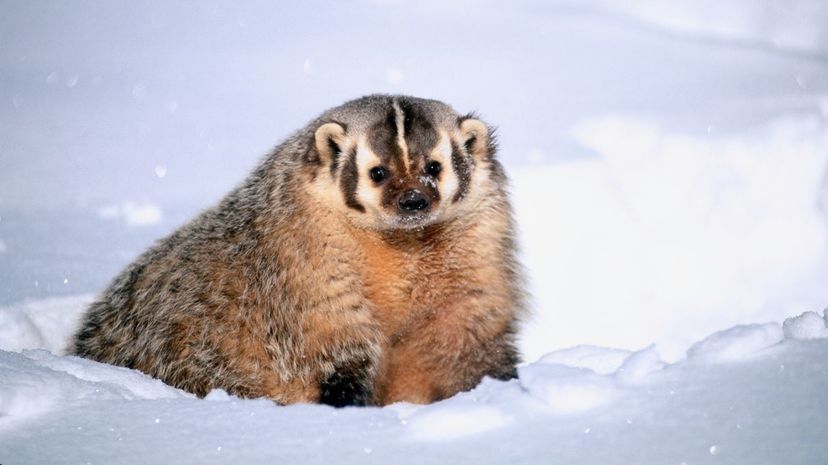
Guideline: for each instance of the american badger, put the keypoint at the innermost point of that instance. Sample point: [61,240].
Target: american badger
[369,259]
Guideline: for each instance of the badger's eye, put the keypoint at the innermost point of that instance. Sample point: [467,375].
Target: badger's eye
[434,168]
[378,174]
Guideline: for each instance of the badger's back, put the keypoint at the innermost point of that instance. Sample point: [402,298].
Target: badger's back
[150,317]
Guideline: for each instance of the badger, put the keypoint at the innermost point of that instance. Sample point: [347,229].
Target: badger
[368,259]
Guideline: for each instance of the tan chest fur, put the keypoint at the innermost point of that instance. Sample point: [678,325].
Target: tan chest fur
[406,281]
[430,292]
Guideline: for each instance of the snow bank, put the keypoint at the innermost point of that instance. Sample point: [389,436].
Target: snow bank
[35,382]
[96,412]
[454,420]
[41,324]
[664,236]
[809,325]
[564,389]
[765,404]
[736,343]
[639,365]
[598,359]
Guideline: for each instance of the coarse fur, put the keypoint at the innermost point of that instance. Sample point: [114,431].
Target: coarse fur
[318,280]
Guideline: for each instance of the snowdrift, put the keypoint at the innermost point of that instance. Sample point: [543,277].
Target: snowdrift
[749,394]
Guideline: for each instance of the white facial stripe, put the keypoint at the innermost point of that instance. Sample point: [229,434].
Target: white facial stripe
[367,193]
[344,151]
[401,134]
[448,181]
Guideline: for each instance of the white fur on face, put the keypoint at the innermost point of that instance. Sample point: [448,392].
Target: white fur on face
[448,183]
[399,119]
[367,193]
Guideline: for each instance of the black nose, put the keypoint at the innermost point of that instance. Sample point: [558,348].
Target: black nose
[413,200]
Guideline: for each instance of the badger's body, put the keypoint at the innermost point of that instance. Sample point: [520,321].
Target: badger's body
[369,259]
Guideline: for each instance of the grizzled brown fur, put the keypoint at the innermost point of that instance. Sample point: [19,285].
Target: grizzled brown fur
[369,259]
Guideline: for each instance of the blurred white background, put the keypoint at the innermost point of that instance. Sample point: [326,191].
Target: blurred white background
[667,158]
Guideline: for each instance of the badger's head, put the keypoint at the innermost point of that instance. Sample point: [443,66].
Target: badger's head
[401,162]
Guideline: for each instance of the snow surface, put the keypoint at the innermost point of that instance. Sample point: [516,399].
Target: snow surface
[668,164]
[736,343]
[809,325]
[41,324]
[745,395]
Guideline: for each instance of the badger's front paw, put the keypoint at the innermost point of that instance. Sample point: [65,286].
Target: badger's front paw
[350,384]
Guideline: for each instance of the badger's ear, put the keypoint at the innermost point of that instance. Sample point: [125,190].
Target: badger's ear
[475,137]
[329,139]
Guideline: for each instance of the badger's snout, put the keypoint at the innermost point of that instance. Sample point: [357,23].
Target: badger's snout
[412,201]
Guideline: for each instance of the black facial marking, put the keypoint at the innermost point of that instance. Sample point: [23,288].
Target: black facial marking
[335,152]
[349,385]
[469,145]
[421,139]
[460,161]
[383,141]
[349,181]
[405,109]
[420,134]
[390,192]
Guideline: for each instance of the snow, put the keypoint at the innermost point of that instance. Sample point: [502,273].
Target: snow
[639,365]
[598,359]
[394,75]
[41,324]
[736,343]
[809,325]
[61,409]
[710,227]
[133,213]
[455,420]
[35,382]
[566,390]
[161,169]
[667,162]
